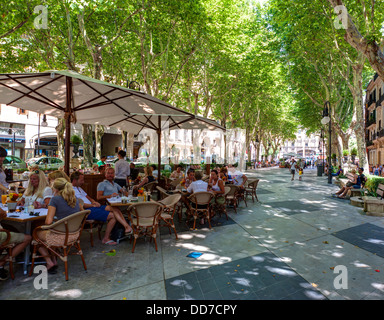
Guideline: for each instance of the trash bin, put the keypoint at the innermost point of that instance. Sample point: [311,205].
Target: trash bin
[320,170]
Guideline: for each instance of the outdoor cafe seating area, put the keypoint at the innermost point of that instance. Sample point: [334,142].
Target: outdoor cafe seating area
[158,204]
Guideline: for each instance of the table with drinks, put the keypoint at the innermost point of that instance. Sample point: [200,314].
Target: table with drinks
[24,216]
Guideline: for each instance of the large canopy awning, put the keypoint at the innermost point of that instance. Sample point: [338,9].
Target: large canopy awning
[77,98]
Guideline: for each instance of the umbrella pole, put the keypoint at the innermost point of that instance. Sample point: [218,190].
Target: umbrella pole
[67,124]
[159,151]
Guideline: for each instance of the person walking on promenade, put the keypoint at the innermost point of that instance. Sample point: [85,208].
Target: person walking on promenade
[293,168]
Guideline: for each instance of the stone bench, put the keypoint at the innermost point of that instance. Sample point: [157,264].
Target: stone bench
[374,206]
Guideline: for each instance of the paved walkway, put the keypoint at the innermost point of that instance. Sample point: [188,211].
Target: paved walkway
[287,246]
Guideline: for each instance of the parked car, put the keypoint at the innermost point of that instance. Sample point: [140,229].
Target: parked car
[12,162]
[47,163]
[142,161]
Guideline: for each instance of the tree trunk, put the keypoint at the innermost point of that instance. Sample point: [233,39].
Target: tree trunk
[87,145]
[360,123]
[60,129]
[99,132]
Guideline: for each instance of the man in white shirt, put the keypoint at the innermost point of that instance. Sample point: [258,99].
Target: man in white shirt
[239,179]
[198,185]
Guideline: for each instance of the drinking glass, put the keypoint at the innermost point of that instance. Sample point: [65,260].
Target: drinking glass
[4,198]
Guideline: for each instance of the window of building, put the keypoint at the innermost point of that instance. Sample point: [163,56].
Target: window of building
[22,111]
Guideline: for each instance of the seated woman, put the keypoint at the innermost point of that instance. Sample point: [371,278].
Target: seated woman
[37,190]
[215,183]
[217,187]
[189,178]
[62,204]
[177,173]
[354,183]
[339,172]
[223,174]
[147,179]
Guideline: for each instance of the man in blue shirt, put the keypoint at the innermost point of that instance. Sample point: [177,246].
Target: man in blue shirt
[108,189]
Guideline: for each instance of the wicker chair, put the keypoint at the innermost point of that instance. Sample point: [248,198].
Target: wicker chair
[6,246]
[251,189]
[63,236]
[163,192]
[170,204]
[144,218]
[91,225]
[150,186]
[231,197]
[200,206]
[166,193]
[222,207]
[175,183]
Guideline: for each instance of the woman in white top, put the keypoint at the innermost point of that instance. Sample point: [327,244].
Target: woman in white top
[37,190]
[3,184]
[217,186]
[122,169]
[177,173]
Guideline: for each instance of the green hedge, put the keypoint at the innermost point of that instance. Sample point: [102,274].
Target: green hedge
[372,183]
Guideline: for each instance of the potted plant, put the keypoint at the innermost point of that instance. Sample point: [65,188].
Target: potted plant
[345,155]
[353,154]
[76,142]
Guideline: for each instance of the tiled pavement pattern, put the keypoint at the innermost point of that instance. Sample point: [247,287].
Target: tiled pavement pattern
[284,247]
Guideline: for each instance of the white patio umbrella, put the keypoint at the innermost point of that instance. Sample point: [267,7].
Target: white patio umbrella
[77,98]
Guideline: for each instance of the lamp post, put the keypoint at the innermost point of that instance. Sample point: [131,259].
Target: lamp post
[323,144]
[327,119]
[44,123]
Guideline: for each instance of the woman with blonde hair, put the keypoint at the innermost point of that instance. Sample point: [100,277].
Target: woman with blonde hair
[147,179]
[62,204]
[37,191]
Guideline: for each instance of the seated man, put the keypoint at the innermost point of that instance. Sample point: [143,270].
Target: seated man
[240,179]
[339,172]
[198,185]
[108,189]
[21,240]
[98,212]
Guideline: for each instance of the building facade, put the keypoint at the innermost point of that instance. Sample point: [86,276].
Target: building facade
[374,117]
[304,146]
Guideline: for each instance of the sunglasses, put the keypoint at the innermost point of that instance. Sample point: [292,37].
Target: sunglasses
[36,214]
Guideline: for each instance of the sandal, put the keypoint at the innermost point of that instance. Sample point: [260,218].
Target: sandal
[110,243]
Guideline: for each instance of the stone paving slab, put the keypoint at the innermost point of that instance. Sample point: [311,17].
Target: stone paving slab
[367,236]
[259,277]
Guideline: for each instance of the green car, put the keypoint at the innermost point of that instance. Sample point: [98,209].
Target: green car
[47,163]
[12,162]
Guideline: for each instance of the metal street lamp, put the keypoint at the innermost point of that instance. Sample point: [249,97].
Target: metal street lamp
[327,119]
